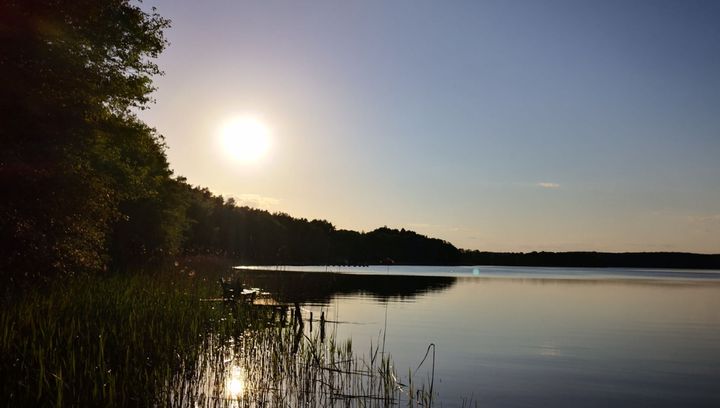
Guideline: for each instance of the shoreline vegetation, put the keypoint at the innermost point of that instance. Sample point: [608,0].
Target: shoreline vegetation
[168,338]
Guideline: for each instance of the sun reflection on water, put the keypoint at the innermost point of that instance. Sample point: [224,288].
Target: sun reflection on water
[235,383]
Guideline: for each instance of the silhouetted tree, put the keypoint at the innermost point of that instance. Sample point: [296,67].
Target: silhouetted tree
[74,157]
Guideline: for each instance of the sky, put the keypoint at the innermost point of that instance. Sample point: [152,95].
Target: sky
[495,125]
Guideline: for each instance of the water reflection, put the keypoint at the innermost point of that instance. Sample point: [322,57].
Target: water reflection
[235,382]
[558,342]
[513,341]
[322,287]
[267,355]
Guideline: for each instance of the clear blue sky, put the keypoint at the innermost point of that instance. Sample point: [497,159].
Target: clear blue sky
[497,125]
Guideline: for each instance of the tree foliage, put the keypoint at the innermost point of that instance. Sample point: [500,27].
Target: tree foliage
[74,156]
[220,227]
[253,236]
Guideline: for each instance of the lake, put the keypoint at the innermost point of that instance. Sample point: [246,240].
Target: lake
[521,336]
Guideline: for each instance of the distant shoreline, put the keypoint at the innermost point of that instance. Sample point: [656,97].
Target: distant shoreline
[587,259]
[578,259]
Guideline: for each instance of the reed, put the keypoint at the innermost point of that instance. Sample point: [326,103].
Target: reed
[169,339]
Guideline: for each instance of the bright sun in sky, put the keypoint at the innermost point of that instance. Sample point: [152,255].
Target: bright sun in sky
[245,139]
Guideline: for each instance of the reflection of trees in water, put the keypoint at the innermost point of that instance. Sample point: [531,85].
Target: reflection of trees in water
[321,287]
[259,355]
[266,352]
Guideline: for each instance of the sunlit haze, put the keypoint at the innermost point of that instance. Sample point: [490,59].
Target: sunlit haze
[496,125]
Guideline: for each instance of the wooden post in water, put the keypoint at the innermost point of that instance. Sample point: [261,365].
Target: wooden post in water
[322,327]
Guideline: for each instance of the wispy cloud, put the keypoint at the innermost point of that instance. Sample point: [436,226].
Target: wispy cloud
[705,223]
[702,219]
[546,184]
[255,201]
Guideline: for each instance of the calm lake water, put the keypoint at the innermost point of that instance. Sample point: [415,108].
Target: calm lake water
[520,337]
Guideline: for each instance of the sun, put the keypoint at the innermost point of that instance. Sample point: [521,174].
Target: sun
[245,139]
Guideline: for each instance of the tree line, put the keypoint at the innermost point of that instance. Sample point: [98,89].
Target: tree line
[86,185]
[260,237]
[592,259]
